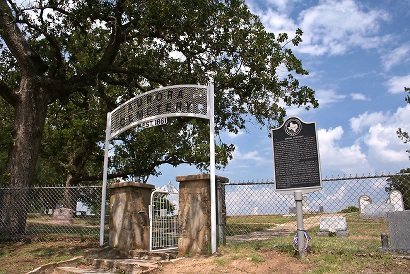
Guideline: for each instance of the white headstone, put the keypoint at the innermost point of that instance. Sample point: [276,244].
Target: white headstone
[333,223]
[377,210]
[364,200]
[396,199]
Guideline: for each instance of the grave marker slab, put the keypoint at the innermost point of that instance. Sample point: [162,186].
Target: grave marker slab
[333,224]
[63,214]
[399,230]
[377,210]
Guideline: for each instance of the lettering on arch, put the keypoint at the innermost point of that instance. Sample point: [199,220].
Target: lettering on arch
[172,101]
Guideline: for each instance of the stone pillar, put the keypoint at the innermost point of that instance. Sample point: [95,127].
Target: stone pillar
[129,216]
[194,214]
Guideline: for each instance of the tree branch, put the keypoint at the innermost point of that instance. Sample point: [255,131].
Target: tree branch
[30,62]
[7,93]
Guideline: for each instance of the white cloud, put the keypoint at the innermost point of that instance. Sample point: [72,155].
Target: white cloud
[359,97]
[382,141]
[335,26]
[253,156]
[366,119]
[396,57]
[396,84]
[235,135]
[348,159]
[326,97]
[277,22]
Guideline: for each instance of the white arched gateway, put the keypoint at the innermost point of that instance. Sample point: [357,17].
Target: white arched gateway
[152,109]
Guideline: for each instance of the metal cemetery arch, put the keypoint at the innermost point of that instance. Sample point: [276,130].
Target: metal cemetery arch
[151,109]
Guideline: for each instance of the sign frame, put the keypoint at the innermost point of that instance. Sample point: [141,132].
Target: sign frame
[294,132]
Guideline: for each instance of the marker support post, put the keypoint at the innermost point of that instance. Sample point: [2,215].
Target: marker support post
[299,221]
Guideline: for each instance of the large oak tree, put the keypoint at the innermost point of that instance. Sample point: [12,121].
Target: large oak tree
[56,51]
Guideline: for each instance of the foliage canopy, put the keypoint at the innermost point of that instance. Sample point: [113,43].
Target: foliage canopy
[64,64]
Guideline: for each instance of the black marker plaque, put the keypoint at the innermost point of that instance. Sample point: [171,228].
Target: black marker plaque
[296,155]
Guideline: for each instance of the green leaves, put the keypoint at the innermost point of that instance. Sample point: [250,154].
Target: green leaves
[99,54]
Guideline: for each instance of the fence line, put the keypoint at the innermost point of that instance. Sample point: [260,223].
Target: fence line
[250,206]
[256,206]
[56,210]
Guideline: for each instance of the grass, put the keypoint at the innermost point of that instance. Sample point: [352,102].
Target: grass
[358,253]
[21,257]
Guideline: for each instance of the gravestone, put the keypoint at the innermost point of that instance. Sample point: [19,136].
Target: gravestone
[63,214]
[336,225]
[363,201]
[377,210]
[396,199]
[399,230]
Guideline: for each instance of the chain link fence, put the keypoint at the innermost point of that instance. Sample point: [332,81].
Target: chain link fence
[255,211]
[53,210]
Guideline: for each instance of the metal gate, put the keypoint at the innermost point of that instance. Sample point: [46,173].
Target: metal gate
[164,218]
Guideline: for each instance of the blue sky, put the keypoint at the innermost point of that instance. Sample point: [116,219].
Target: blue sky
[358,55]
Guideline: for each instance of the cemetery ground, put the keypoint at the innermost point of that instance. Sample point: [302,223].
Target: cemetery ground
[357,253]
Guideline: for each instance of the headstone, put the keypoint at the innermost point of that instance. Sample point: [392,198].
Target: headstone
[363,201]
[63,214]
[336,225]
[377,210]
[396,199]
[399,230]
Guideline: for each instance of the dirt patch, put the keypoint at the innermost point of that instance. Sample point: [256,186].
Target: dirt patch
[262,261]
[279,230]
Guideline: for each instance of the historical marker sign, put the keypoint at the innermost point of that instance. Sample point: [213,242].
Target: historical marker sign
[296,156]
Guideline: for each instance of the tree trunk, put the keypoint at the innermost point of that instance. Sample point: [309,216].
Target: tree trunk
[70,194]
[30,113]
